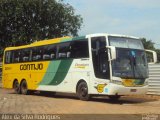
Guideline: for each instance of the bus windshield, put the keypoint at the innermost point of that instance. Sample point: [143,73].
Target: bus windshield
[130,63]
[123,42]
[131,58]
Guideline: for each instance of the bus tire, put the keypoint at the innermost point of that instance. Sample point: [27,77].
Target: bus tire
[82,91]
[16,87]
[24,88]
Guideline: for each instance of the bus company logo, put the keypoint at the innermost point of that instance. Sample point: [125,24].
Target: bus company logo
[82,66]
[100,87]
[31,66]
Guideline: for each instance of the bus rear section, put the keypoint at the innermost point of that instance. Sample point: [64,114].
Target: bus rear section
[61,66]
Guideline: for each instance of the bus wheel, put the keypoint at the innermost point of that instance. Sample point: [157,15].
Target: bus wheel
[24,88]
[16,87]
[82,91]
[114,97]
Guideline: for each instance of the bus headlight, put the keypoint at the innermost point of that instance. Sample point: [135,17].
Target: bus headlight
[116,82]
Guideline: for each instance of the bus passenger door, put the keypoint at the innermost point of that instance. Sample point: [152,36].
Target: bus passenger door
[103,64]
[100,58]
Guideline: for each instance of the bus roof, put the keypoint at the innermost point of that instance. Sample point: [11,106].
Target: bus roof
[106,34]
[64,39]
[46,42]
[42,42]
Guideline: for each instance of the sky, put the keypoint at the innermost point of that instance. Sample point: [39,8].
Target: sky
[139,18]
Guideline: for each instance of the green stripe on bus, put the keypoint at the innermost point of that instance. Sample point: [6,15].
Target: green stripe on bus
[79,38]
[61,72]
[66,39]
[51,72]
[72,39]
[56,72]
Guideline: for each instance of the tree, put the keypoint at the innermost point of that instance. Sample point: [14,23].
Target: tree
[158,54]
[24,21]
[148,44]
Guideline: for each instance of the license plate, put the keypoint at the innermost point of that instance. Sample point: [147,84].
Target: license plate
[133,90]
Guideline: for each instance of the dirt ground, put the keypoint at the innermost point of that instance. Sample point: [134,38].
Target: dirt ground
[11,103]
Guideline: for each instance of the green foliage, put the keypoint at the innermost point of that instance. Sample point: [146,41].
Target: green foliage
[148,44]
[24,21]
[158,54]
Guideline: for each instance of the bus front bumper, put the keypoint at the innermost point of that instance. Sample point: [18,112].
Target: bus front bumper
[114,89]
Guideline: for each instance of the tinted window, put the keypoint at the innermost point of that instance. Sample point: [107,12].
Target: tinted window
[74,49]
[25,55]
[64,50]
[98,42]
[37,53]
[16,56]
[49,52]
[79,49]
[100,57]
[8,57]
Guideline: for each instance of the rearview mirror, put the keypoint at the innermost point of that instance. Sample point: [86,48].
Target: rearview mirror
[152,57]
[112,52]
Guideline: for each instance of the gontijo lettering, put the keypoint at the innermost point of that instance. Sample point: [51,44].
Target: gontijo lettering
[31,66]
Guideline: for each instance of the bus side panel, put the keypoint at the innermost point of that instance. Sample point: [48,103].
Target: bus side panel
[79,70]
[55,74]
[7,79]
[31,72]
[8,73]
[63,75]
[36,74]
[12,72]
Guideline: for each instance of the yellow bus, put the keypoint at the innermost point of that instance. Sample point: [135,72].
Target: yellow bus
[95,64]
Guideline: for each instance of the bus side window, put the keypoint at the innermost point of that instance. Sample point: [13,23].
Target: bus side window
[24,55]
[8,57]
[49,52]
[53,56]
[16,56]
[45,53]
[64,50]
[52,49]
[68,54]
[46,57]
[25,59]
[79,49]
[37,53]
